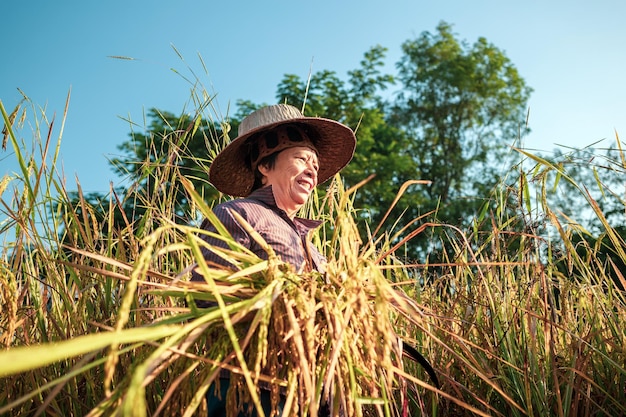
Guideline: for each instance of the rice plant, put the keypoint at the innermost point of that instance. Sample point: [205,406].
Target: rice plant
[99,316]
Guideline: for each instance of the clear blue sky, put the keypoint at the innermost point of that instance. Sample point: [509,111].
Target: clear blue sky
[572,53]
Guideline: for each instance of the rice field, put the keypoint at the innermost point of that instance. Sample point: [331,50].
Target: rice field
[98,317]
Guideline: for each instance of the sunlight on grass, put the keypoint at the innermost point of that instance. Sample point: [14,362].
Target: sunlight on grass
[521,316]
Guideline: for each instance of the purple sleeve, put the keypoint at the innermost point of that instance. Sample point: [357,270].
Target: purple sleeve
[237,232]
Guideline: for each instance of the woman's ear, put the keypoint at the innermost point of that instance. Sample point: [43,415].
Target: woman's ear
[263,169]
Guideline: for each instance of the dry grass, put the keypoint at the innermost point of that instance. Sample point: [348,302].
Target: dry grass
[94,319]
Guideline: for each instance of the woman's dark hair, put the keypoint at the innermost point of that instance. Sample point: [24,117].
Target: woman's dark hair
[270,162]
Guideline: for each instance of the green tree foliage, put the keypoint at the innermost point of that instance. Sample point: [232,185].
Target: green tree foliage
[590,173]
[451,122]
[457,109]
[566,180]
[183,142]
[152,162]
[462,106]
[357,103]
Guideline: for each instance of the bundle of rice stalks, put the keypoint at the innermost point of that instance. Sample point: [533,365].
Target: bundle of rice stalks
[312,338]
[104,321]
[113,324]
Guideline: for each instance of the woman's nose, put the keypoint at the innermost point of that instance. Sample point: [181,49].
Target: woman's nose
[311,169]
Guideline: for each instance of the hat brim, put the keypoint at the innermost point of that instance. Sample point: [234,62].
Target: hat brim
[231,173]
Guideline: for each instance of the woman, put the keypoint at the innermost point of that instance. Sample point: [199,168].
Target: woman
[274,164]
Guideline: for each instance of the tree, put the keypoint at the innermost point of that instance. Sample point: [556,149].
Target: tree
[583,190]
[457,109]
[357,103]
[153,162]
[461,105]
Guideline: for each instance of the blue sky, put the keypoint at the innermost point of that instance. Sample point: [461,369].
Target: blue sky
[571,53]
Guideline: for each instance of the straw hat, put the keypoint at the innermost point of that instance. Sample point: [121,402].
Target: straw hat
[232,170]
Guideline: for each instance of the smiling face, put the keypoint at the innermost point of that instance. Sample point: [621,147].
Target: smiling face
[292,178]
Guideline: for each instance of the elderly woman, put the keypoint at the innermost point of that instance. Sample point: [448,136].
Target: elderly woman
[275,162]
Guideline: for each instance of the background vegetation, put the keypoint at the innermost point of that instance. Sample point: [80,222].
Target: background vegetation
[504,268]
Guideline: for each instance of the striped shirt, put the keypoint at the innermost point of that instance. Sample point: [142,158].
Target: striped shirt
[288,237]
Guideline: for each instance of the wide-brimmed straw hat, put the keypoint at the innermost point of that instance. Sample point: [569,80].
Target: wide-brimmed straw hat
[232,171]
